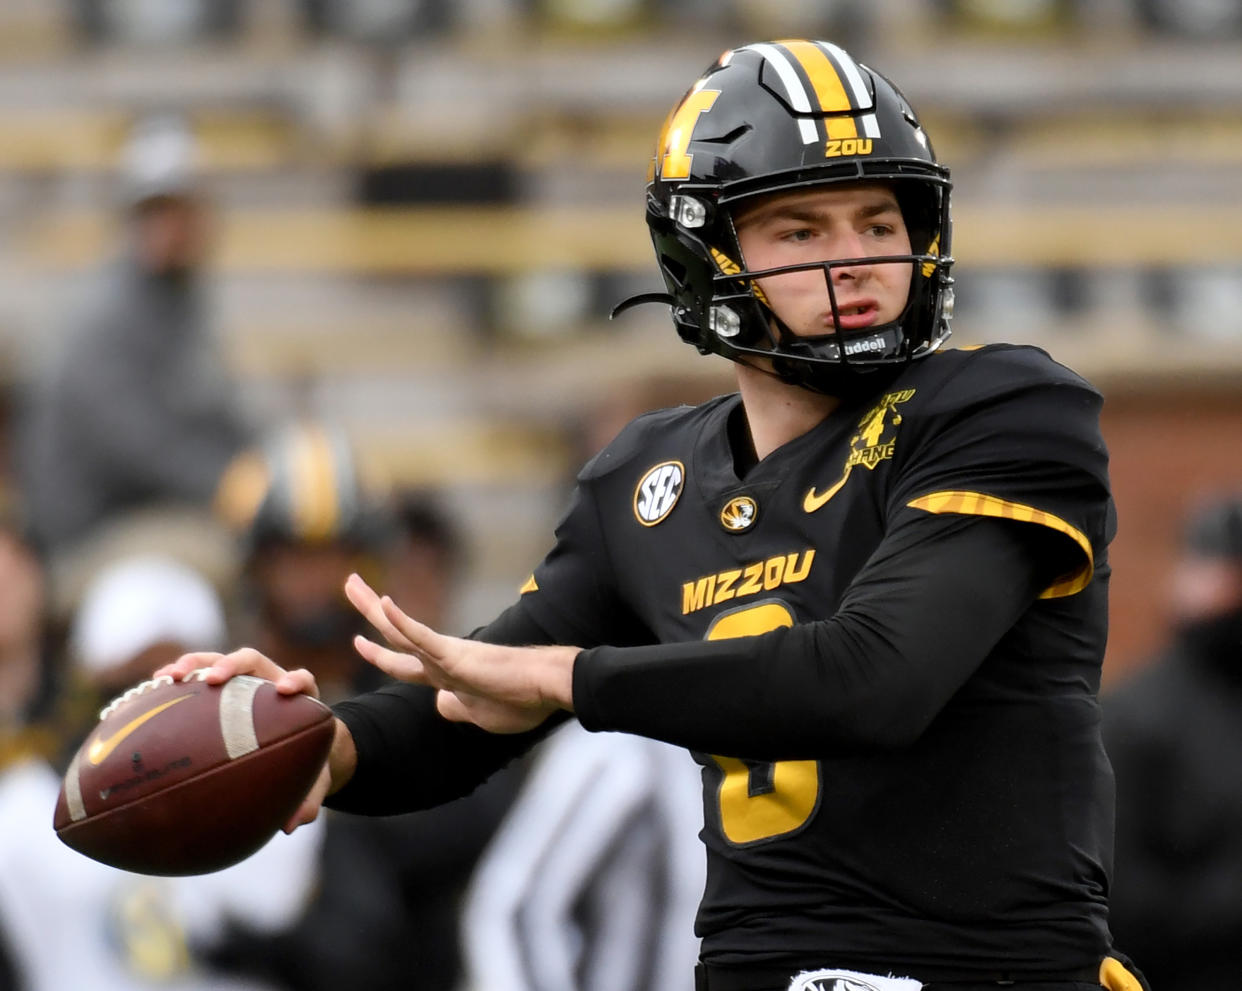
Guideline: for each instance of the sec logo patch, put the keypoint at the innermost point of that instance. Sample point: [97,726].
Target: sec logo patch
[658,491]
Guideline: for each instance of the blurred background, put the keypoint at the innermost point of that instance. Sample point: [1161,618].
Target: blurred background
[291,287]
[423,210]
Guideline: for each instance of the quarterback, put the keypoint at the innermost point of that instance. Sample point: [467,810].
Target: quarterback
[867,591]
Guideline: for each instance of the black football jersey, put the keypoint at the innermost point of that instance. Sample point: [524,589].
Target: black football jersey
[980,838]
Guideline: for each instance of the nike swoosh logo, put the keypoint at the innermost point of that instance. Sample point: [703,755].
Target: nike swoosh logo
[100,749]
[816,500]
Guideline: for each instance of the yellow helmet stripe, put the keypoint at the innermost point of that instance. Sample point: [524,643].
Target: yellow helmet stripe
[862,96]
[794,89]
[315,503]
[829,89]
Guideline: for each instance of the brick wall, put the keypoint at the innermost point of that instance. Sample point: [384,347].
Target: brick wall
[1170,444]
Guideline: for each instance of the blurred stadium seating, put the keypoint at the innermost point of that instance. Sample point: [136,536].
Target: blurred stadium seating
[426,208]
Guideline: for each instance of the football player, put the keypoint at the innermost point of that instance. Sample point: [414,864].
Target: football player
[867,591]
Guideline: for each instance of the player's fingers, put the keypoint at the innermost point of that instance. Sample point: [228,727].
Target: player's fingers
[402,666]
[416,634]
[297,681]
[308,811]
[367,602]
[243,660]
[183,665]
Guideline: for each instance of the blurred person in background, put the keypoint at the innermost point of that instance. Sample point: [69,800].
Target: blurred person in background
[69,922]
[137,412]
[387,899]
[1174,734]
[593,879]
[26,743]
[26,681]
[306,522]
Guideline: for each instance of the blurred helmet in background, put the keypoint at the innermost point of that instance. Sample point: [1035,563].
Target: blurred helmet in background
[300,487]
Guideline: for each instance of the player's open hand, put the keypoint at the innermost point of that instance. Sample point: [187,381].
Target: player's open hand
[501,689]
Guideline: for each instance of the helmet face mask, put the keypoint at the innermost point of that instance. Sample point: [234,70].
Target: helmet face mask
[771,119]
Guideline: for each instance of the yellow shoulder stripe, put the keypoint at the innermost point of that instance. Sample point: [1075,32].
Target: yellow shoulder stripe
[1115,976]
[979,504]
[530,585]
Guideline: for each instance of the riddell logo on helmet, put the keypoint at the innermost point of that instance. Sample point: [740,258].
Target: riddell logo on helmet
[869,344]
[847,146]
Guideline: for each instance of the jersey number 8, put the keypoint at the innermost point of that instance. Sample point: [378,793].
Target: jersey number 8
[756,800]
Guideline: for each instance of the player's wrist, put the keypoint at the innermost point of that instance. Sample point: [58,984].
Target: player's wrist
[557,676]
[342,758]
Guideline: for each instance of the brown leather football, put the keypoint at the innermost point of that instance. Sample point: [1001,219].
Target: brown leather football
[188,778]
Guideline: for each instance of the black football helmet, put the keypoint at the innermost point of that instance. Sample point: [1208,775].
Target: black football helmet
[777,117]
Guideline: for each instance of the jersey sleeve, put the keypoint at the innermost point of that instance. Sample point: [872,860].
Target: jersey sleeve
[933,600]
[1015,436]
[572,593]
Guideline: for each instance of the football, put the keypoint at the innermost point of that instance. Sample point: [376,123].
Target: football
[188,778]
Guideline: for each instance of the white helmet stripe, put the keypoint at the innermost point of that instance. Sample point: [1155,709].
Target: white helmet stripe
[870,125]
[793,86]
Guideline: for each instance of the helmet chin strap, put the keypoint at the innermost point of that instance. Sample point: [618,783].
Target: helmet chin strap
[847,377]
[766,364]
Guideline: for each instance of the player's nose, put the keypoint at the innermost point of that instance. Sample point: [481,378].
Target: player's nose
[848,247]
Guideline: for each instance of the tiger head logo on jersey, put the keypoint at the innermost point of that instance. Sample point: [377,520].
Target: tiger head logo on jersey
[739,514]
[657,492]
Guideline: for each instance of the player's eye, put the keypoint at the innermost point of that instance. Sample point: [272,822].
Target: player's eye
[800,234]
